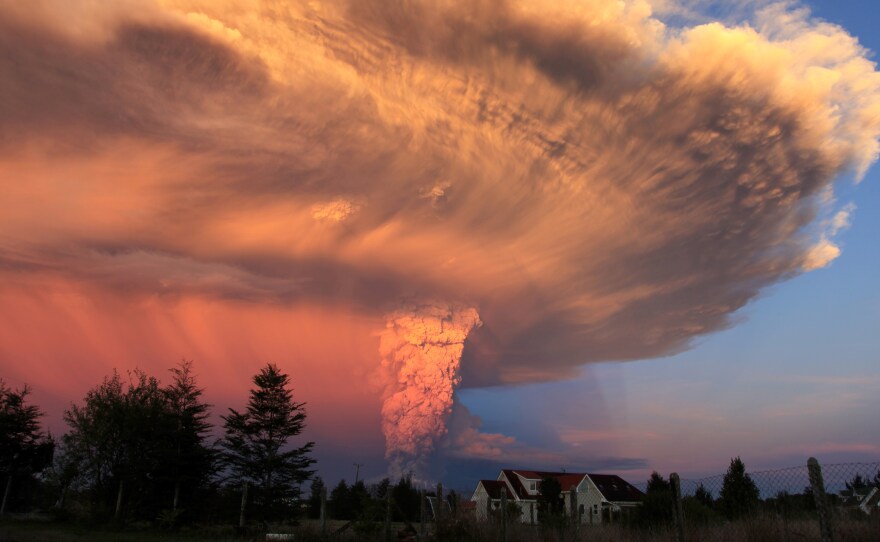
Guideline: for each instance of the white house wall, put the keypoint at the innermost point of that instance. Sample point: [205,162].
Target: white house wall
[481,497]
[589,496]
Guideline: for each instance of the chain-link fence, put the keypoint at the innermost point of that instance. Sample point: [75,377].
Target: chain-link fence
[838,502]
[835,502]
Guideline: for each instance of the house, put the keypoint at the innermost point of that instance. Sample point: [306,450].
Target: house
[597,497]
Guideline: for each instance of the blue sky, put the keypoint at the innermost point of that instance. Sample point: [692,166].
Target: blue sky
[797,375]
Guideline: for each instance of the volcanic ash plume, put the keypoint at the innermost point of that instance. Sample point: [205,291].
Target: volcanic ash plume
[421,352]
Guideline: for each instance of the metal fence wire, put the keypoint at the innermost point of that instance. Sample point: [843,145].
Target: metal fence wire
[811,502]
[839,502]
[827,503]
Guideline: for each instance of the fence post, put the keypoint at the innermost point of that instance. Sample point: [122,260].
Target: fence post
[504,515]
[119,500]
[6,495]
[488,507]
[677,512]
[438,513]
[323,512]
[423,513]
[573,509]
[826,528]
[244,493]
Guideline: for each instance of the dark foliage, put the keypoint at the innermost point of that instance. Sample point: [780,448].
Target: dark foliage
[739,494]
[339,501]
[190,461]
[703,496]
[656,508]
[119,439]
[316,488]
[255,445]
[143,441]
[857,482]
[24,449]
[407,499]
[550,502]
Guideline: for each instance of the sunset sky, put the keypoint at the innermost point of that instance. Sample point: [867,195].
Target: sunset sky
[579,234]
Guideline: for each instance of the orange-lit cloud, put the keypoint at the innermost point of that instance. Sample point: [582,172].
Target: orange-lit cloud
[597,185]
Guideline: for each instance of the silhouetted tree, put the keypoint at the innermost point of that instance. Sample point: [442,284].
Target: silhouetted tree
[120,438]
[703,496]
[739,494]
[24,448]
[315,490]
[191,460]
[255,445]
[876,481]
[359,500]
[381,489]
[550,502]
[62,474]
[407,499]
[656,482]
[857,482]
[656,508]
[339,501]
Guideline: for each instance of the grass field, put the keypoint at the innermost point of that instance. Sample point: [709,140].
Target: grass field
[765,530]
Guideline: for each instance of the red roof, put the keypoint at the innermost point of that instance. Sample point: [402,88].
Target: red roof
[613,487]
[494,488]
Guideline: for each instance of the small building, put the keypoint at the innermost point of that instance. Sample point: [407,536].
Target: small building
[597,497]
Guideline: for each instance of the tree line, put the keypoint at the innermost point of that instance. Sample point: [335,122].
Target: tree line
[136,448]
[738,498]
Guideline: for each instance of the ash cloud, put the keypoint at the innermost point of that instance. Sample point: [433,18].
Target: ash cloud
[421,351]
[598,185]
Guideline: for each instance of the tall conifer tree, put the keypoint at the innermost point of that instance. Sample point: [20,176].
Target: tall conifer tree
[255,445]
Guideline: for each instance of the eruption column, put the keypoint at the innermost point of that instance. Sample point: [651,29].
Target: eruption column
[421,353]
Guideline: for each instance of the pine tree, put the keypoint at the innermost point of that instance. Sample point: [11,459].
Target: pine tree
[857,483]
[315,489]
[657,483]
[339,501]
[739,494]
[24,449]
[255,445]
[656,508]
[191,458]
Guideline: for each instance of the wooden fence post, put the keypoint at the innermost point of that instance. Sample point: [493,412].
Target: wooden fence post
[677,512]
[817,484]
[423,513]
[6,495]
[504,515]
[438,513]
[118,512]
[244,494]
[323,512]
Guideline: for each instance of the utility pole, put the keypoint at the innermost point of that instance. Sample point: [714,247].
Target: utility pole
[357,472]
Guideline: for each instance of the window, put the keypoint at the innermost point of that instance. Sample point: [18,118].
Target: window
[533,486]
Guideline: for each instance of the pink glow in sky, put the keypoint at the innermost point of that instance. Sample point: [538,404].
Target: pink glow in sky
[565,182]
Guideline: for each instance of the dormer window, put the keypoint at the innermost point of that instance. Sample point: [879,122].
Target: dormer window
[533,486]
